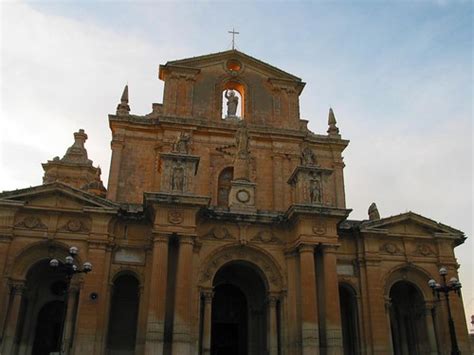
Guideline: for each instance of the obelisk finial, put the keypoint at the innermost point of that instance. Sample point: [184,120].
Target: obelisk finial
[332,130]
[123,108]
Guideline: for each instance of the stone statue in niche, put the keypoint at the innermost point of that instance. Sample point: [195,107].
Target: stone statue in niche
[232,103]
[314,190]
[182,143]
[307,157]
[177,178]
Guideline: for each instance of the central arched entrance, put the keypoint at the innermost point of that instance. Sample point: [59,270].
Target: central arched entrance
[238,311]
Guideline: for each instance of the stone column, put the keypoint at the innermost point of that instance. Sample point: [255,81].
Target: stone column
[154,339]
[272,330]
[388,312]
[331,296]
[69,319]
[207,322]
[17,289]
[430,328]
[182,307]
[309,308]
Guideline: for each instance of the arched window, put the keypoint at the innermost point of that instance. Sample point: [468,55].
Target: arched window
[123,316]
[233,100]
[224,185]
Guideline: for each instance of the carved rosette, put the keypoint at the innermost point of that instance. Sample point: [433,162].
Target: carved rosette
[266,237]
[424,250]
[31,222]
[75,226]
[219,233]
[390,248]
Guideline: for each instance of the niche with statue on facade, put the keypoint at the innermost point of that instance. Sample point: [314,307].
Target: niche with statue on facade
[179,167]
[232,104]
[308,179]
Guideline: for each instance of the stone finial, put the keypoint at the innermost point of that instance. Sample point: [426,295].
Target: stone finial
[77,153]
[332,130]
[123,108]
[373,212]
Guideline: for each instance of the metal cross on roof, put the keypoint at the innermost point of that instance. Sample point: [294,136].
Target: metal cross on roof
[233,36]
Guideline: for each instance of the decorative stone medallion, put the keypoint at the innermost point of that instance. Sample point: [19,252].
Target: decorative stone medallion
[175,217]
[243,196]
[74,225]
[319,227]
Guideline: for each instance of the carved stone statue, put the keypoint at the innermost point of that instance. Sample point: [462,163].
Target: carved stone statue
[373,212]
[182,143]
[315,191]
[177,178]
[232,103]
[307,157]
[242,141]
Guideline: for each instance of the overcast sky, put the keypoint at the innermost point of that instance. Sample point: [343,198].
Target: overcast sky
[397,74]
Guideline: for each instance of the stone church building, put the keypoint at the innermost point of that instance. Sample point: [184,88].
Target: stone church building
[223,230]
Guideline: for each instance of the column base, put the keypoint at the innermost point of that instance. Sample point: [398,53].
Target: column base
[310,340]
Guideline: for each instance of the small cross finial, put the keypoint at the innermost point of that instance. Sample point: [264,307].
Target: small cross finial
[233,37]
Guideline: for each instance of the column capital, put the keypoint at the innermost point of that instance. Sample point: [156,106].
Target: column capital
[186,239]
[329,248]
[304,248]
[272,299]
[207,294]
[158,237]
[17,287]
[387,302]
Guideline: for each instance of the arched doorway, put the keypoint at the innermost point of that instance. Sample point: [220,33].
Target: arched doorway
[407,320]
[224,185]
[41,320]
[349,319]
[123,316]
[238,311]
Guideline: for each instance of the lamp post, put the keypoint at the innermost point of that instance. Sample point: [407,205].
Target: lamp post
[453,285]
[69,269]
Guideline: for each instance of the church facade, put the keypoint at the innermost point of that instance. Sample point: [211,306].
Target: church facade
[223,230]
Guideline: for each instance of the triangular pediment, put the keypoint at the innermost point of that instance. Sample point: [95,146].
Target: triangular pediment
[56,196]
[411,224]
[221,57]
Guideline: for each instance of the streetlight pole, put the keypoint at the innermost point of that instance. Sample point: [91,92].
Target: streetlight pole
[453,285]
[69,269]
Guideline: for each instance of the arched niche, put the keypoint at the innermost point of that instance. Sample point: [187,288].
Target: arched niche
[262,262]
[224,185]
[241,92]
[35,252]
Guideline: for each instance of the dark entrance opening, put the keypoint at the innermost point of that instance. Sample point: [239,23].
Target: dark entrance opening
[123,316]
[48,328]
[350,334]
[238,311]
[229,321]
[407,320]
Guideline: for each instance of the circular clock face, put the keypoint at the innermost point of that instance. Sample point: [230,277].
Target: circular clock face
[243,196]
